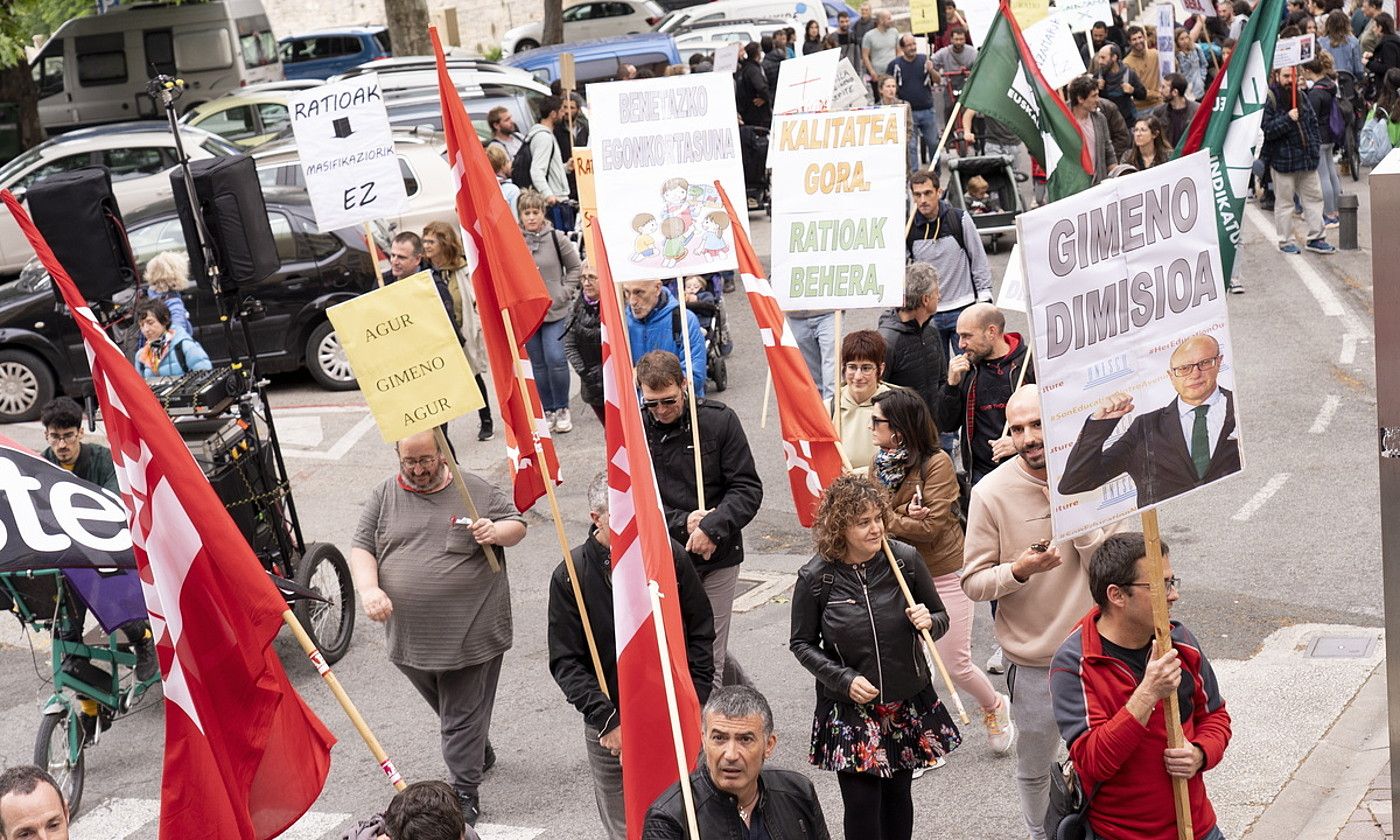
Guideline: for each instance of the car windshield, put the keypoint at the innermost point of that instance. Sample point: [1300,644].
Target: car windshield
[10,171]
[219,147]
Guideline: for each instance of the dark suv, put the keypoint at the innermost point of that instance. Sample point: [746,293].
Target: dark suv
[41,352]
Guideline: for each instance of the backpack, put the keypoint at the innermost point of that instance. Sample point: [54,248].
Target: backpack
[1375,138]
[520,166]
[1336,123]
[821,586]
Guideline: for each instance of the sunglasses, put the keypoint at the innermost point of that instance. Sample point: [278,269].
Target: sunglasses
[666,401]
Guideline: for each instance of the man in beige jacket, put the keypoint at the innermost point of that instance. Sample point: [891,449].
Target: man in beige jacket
[1041,589]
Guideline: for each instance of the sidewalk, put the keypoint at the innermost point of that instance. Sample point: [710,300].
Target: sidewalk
[1372,818]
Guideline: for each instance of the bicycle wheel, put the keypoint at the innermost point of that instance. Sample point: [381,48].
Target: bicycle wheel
[58,731]
[1352,152]
[331,624]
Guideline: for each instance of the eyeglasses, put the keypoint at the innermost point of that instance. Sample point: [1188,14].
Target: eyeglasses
[1172,582]
[1183,371]
[66,437]
[425,462]
[666,401]
[866,369]
[878,421]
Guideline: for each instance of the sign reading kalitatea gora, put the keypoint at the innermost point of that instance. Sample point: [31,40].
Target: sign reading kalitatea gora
[406,357]
[659,146]
[838,208]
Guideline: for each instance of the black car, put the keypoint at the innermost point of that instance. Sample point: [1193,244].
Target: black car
[41,352]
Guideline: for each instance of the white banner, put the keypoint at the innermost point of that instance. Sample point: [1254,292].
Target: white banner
[658,146]
[1290,52]
[1012,296]
[851,91]
[347,153]
[806,83]
[1052,45]
[980,15]
[1132,344]
[726,60]
[838,209]
[1081,15]
[1204,8]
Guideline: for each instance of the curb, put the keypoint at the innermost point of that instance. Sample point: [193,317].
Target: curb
[1327,787]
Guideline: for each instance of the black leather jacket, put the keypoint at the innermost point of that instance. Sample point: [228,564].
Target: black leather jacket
[787,802]
[862,629]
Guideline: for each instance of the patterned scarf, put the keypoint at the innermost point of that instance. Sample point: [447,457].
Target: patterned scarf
[148,355]
[890,466]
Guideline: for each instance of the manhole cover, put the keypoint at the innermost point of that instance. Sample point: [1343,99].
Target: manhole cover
[1341,647]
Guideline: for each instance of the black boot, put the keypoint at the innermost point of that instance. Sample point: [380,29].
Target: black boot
[471,807]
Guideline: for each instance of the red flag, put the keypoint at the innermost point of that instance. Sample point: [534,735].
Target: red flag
[244,756]
[641,553]
[506,280]
[809,438]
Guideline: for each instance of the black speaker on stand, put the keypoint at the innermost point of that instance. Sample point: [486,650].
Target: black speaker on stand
[231,203]
[80,219]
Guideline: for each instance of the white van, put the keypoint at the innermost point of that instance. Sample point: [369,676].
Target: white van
[94,69]
[796,11]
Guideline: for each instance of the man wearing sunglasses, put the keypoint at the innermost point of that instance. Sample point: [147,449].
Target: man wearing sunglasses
[1108,682]
[733,491]
[1189,442]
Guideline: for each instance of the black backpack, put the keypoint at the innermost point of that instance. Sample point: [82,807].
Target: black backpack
[520,167]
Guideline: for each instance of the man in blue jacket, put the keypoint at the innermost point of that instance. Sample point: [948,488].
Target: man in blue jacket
[654,323]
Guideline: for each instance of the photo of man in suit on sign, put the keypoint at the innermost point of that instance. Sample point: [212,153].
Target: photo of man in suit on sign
[1189,442]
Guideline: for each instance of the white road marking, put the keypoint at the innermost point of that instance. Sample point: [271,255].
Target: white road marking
[342,446]
[1325,414]
[490,831]
[1266,492]
[1348,354]
[314,825]
[303,431]
[768,585]
[1326,298]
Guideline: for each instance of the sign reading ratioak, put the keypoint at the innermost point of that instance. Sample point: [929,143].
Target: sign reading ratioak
[406,357]
[838,209]
[1132,344]
[347,152]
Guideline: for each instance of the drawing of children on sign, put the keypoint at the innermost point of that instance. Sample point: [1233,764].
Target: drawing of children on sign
[691,223]
[712,245]
[646,226]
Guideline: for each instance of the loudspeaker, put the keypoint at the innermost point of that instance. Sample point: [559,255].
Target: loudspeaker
[231,202]
[80,219]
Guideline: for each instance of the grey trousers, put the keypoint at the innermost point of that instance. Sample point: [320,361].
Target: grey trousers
[463,700]
[607,785]
[1037,742]
[720,585]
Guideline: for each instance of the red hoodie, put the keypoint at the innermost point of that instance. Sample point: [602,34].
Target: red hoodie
[1120,756]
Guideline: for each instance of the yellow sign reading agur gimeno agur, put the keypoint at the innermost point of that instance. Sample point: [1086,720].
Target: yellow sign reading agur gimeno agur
[406,356]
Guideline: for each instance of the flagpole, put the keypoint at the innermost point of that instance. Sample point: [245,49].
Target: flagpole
[461,485]
[673,709]
[929,647]
[385,764]
[520,383]
[1162,634]
[767,394]
[690,378]
[373,255]
[836,380]
[933,165]
[1020,380]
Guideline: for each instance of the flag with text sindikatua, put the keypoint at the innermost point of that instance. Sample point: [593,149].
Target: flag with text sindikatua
[244,756]
[641,553]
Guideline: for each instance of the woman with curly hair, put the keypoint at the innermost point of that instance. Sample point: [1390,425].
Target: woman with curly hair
[167,275]
[878,718]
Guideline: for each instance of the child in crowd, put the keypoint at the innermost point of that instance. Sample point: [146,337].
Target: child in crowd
[697,290]
[978,199]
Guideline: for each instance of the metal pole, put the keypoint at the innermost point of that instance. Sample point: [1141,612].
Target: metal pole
[1385,269]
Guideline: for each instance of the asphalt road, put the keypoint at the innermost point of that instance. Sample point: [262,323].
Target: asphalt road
[1292,540]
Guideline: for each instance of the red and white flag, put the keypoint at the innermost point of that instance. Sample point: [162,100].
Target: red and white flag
[809,439]
[507,283]
[641,553]
[244,756]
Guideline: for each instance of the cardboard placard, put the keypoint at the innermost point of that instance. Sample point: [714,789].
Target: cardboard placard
[806,83]
[1290,52]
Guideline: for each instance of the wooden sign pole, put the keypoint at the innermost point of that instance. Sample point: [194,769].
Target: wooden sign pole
[462,489]
[1162,631]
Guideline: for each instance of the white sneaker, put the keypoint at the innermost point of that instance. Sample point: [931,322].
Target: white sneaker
[562,421]
[937,763]
[549,419]
[1001,732]
[996,664]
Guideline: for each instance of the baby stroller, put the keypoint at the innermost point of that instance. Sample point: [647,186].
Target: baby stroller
[753,148]
[1353,108]
[714,323]
[1001,178]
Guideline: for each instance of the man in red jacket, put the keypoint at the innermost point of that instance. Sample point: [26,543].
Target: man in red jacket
[1108,683]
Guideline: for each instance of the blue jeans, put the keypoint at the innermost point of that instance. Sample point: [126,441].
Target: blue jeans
[546,351]
[926,126]
[1330,178]
[816,338]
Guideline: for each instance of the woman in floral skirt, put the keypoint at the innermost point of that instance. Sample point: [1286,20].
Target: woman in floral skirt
[877,718]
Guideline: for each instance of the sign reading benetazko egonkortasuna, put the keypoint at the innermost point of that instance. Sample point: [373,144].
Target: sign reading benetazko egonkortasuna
[347,152]
[1132,344]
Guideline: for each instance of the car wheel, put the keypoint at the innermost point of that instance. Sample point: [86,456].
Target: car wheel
[326,360]
[525,44]
[26,386]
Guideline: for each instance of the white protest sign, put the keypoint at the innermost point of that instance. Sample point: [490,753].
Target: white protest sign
[1166,50]
[838,209]
[1204,8]
[851,91]
[1290,52]
[806,83]
[1081,15]
[658,147]
[1052,44]
[980,15]
[1131,340]
[347,152]
[1013,284]
[726,58]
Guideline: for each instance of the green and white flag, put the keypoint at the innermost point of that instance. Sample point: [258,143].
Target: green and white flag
[1228,123]
[1006,85]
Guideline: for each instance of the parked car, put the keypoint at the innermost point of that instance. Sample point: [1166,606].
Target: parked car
[707,36]
[599,59]
[835,8]
[139,154]
[585,19]
[321,54]
[247,119]
[94,68]
[41,351]
[796,15]
[423,109]
[427,178]
[419,73]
